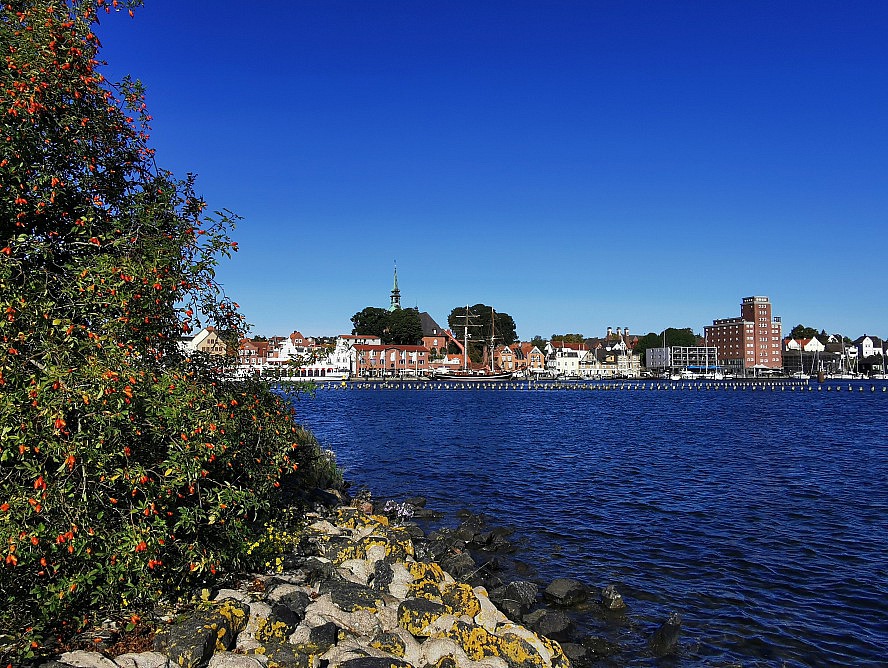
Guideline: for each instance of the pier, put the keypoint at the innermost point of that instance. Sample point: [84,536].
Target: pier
[741,385]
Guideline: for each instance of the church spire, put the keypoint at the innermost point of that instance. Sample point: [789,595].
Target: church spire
[396,293]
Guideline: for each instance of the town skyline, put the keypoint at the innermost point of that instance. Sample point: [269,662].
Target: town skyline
[577,165]
[441,318]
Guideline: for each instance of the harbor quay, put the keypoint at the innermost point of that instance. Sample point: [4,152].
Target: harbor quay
[746,385]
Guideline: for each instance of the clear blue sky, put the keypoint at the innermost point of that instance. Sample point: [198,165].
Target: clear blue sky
[575,164]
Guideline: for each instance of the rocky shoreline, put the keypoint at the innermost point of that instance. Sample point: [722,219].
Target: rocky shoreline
[366,587]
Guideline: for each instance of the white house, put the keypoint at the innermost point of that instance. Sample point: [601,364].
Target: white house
[812,345]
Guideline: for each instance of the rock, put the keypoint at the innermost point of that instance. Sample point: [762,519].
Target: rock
[490,616]
[578,654]
[142,660]
[459,599]
[383,575]
[600,647]
[317,569]
[665,639]
[390,642]
[553,624]
[516,598]
[459,565]
[356,570]
[284,654]
[234,594]
[191,643]
[296,600]
[351,596]
[231,660]
[323,637]
[566,592]
[416,501]
[374,662]
[478,644]
[80,659]
[282,614]
[415,615]
[426,514]
[611,598]
[278,593]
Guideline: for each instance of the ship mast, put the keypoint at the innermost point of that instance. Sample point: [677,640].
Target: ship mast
[466,326]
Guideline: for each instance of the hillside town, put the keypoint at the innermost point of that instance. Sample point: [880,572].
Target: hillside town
[748,345]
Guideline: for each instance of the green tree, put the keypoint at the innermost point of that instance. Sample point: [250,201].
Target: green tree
[404,327]
[672,336]
[483,321]
[370,320]
[569,338]
[130,471]
[802,332]
[539,342]
[480,319]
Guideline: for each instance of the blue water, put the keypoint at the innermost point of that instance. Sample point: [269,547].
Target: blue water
[760,516]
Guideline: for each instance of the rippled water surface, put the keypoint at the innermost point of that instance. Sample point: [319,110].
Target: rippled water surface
[762,517]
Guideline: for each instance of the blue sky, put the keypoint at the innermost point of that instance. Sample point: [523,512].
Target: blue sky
[578,165]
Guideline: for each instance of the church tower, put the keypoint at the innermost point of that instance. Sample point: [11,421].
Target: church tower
[396,294]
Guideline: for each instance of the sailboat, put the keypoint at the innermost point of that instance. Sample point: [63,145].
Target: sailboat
[800,374]
[467,374]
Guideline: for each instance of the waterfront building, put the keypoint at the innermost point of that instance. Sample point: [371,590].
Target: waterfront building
[751,342]
[870,353]
[207,340]
[355,339]
[436,338]
[806,345]
[389,360]
[563,357]
[252,355]
[506,358]
[534,358]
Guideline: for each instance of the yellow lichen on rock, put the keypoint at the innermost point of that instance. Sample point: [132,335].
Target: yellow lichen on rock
[416,614]
[267,630]
[459,599]
[421,570]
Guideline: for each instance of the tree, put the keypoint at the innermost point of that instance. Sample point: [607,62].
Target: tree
[481,317]
[569,338]
[539,342]
[802,332]
[130,471]
[404,327]
[673,337]
[370,320]
[401,327]
[480,323]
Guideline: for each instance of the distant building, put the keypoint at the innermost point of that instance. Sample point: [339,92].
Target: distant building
[751,342]
[207,341]
[396,294]
[390,360]
[435,337]
[806,345]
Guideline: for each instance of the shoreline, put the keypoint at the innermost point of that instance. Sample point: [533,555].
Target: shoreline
[366,588]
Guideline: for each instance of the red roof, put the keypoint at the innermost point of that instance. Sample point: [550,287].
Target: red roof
[367,346]
[569,344]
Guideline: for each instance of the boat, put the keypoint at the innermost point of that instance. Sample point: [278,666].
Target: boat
[478,374]
[473,375]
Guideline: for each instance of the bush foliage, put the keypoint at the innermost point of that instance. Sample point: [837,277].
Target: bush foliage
[130,471]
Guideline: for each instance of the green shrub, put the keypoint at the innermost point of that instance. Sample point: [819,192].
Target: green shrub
[128,470]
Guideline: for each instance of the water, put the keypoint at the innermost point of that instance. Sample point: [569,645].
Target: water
[761,516]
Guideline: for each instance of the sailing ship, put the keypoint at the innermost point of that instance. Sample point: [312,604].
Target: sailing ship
[475,374]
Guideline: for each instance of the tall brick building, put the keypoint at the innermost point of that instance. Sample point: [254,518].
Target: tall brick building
[752,341]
